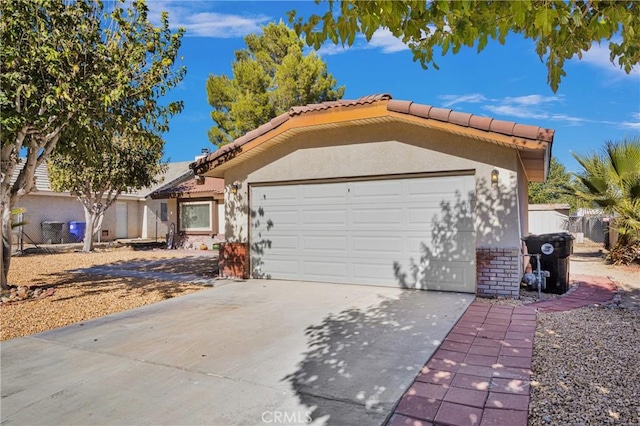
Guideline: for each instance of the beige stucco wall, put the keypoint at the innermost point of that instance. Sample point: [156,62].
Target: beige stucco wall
[41,207]
[386,149]
[149,209]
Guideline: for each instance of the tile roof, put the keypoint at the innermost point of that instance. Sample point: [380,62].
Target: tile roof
[191,186]
[476,122]
[175,172]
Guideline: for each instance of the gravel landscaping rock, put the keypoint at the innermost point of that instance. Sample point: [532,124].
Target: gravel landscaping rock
[80,297]
[586,361]
[585,368]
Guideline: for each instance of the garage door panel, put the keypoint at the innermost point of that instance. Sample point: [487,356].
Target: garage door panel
[325,217]
[455,248]
[383,232]
[277,194]
[335,245]
[275,218]
[374,273]
[325,270]
[361,217]
[281,267]
[447,276]
[385,245]
[377,191]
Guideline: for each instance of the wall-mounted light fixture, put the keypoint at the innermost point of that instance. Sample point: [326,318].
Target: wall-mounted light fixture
[234,188]
[494,176]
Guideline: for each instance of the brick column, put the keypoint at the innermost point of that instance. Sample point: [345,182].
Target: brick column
[234,260]
[498,272]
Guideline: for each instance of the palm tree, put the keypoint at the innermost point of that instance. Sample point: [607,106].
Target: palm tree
[610,180]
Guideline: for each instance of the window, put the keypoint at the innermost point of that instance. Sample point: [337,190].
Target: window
[195,216]
[164,213]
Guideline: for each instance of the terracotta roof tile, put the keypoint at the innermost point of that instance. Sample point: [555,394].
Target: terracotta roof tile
[191,186]
[446,115]
[402,107]
[460,118]
[420,110]
[480,123]
[440,114]
[503,127]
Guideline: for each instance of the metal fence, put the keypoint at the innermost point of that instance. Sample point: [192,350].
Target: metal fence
[47,233]
[594,228]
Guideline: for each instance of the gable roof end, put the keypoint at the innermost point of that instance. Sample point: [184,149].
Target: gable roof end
[526,138]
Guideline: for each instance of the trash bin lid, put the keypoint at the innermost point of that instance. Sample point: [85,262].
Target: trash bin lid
[556,236]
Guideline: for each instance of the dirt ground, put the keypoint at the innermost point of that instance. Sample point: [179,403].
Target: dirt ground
[80,297]
[588,259]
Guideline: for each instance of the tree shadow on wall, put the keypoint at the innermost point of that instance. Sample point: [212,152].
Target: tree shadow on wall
[359,362]
[236,206]
[259,243]
[450,240]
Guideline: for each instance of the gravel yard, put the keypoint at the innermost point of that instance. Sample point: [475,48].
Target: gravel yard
[585,361]
[80,297]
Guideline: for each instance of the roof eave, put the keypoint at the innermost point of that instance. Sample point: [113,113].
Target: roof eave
[535,162]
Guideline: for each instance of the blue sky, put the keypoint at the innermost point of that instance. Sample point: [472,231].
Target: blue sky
[596,101]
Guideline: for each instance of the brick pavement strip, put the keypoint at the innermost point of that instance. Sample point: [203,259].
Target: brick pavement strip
[481,373]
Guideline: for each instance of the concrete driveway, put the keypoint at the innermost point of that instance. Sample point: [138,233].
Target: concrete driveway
[247,353]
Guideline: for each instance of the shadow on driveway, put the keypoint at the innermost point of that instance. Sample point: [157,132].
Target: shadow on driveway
[359,362]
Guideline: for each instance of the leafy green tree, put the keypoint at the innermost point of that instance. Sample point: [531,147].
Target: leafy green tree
[560,29]
[98,177]
[69,65]
[270,76]
[555,189]
[610,180]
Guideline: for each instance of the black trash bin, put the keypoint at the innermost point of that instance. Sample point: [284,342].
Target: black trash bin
[555,249]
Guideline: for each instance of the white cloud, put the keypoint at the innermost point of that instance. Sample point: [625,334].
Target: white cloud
[598,56]
[531,100]
[329,49]
[383,39]
[218,25]
[532,107]
[538,107]
[198,21]
[472,98]
[635,124]
[517,111]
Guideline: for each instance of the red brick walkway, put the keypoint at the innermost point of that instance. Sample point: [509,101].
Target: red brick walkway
[480,374]
[590,290]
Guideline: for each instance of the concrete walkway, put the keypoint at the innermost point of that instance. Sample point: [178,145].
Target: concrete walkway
[481,373]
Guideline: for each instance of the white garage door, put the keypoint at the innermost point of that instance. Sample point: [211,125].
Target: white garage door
[413,232]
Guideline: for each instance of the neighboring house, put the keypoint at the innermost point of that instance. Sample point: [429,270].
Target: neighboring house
[548,218]
[377,191]
[133,215]
[197,207]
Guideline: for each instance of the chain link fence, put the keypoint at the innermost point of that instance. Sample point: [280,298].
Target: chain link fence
[594,228]
[46,232]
